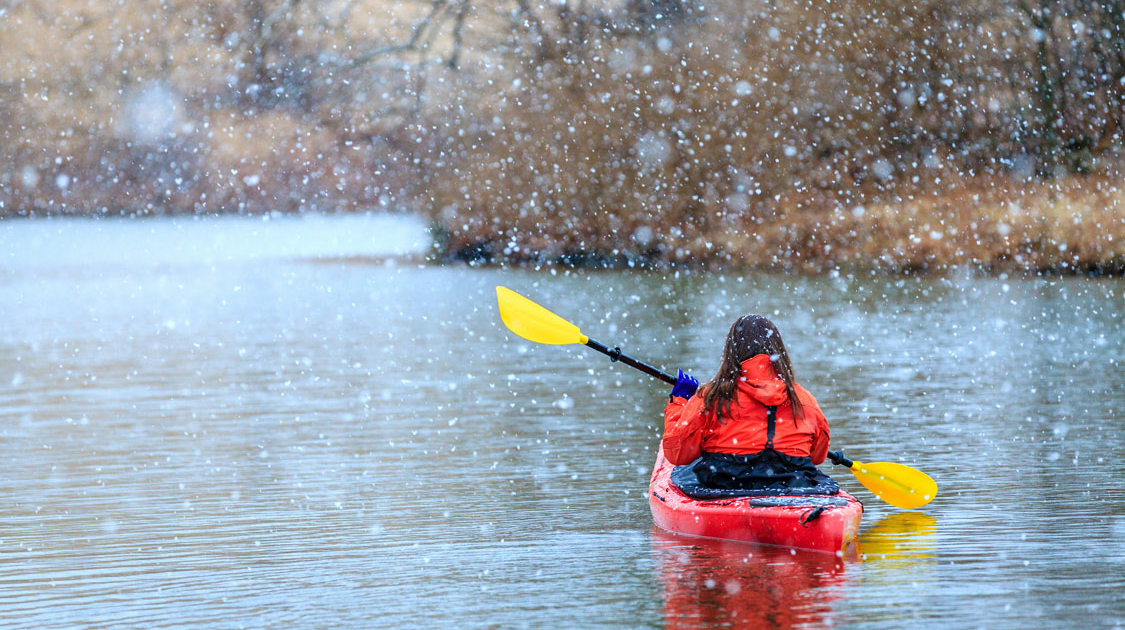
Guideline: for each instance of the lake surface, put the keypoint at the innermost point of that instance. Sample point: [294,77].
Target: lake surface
[261,424]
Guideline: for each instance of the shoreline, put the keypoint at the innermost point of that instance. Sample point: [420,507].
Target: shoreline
[1070,226]
[588,261]
[990,225]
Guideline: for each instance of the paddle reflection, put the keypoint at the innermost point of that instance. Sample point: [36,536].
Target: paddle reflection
[713,583]
[902,537]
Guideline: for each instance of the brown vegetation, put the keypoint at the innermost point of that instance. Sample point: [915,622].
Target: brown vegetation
[908,136]
[183,107]
[905,136]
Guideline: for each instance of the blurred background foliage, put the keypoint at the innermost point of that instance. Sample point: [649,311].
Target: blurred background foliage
[817,132]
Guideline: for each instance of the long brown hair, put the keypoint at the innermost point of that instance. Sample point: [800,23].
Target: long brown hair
[749,336]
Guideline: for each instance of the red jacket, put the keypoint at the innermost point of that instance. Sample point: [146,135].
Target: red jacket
[689,430]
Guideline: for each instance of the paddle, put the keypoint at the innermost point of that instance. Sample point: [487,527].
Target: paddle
[901,486]
[535,323]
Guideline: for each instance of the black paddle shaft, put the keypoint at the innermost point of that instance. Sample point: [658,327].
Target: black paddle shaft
[838,458]
[615,354]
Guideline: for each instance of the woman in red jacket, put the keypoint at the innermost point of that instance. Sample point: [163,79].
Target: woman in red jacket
[752,426]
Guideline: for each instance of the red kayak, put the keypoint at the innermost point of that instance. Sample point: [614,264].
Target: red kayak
[820,522]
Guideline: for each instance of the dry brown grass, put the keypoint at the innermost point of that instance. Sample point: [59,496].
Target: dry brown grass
[1073,225]
[816,135]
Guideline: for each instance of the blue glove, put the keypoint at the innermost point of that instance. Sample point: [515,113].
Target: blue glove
[685,385]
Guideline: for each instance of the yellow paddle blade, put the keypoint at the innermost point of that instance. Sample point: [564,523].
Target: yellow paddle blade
[901,486]
[535,323]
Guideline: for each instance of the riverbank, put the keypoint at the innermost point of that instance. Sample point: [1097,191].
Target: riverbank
[607,133]
[1071,225]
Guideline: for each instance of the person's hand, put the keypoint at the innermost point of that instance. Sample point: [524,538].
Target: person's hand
[685,385]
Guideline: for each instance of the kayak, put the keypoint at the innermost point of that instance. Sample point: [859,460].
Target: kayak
[820,522]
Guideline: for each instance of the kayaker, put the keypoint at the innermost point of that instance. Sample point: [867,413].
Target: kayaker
[752,426]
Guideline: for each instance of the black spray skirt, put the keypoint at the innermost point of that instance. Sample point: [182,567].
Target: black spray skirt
[768,473]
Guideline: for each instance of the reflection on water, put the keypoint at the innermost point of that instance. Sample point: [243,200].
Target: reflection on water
[209,439]
[904,537]
[725,584]
[720,584]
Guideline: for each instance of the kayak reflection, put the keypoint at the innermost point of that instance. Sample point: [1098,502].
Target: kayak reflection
[714,583]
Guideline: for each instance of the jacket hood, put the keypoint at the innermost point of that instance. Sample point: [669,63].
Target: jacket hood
[761,382]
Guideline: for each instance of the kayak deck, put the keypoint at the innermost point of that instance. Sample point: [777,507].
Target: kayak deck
[816,522]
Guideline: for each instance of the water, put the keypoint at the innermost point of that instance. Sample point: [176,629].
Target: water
[232,423]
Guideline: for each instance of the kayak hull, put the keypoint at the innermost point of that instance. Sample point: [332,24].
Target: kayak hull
[817,522]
